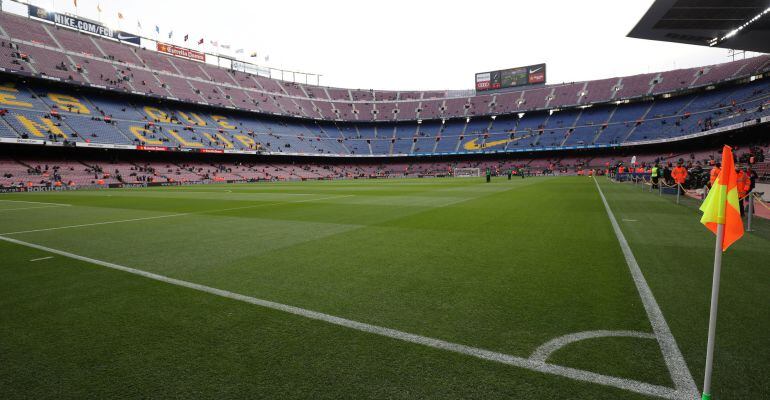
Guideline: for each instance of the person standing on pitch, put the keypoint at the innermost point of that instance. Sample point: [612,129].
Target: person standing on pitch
[665,174]
[489,174]
[654,175]
[509,174]
[752,178]
[743,185]
[714,174]
[680,176]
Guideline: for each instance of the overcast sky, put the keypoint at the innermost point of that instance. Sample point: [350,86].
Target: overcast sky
[412,44]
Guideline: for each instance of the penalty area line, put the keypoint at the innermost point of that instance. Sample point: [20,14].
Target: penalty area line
[677,367]
[539,366]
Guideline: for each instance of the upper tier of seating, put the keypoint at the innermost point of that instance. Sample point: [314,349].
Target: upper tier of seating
[42,49]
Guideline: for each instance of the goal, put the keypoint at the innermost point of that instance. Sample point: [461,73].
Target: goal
[466,172]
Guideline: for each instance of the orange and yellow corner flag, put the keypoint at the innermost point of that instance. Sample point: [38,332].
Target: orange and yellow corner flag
[721,205]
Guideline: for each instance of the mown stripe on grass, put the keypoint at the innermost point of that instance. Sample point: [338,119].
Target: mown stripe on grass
[171,215]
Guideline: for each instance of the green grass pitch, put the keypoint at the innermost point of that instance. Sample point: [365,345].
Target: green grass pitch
[461,265]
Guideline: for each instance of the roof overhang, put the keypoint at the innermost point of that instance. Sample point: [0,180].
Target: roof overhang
[699,22]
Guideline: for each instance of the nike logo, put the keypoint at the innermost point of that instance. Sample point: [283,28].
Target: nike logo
[474,145]
[122,37]
[532,71]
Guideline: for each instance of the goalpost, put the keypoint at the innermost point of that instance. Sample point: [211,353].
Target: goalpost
[467,172]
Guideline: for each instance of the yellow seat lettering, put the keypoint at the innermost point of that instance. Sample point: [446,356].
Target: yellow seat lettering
[222,121]
[181,140]
[247,141]
[156,114]
[139,132]
[222,139]
[42,128]
[192,118]
[70,103]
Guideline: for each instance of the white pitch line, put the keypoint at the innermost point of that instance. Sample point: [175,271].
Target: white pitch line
[167,216]
[94,224]
[41,259]
[32,208]
[677,366]
[571,373]
[36,202]
[544,351]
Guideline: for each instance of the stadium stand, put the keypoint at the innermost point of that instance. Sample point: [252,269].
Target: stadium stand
[24,171]
[78,57]
[35,111]
[217,110]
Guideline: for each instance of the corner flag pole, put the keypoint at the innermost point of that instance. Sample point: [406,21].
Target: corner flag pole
[713,313]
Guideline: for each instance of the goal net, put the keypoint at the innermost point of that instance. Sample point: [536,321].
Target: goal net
[467,172]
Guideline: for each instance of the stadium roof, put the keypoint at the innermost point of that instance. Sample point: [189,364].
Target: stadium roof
[729,24]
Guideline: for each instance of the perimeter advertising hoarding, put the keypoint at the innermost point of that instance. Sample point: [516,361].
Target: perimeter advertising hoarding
[83,25]
[181,52]
[512,77]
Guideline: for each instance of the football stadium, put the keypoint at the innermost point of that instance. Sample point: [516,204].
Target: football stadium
[183,217]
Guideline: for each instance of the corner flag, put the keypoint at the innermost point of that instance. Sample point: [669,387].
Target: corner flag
[721,215]
[721,205]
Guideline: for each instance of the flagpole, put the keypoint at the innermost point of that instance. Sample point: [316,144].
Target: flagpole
[713,313]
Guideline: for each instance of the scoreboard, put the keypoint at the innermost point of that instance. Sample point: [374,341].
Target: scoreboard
[501,79]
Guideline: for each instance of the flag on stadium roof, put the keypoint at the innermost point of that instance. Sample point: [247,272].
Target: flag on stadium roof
[721,206]
[170,33]
[267,58]
[186,36]
[200,41]
[75,2]
[157,29]
[239,51]
[99,7]
[138,24]
[254,54]
[225,46]
[120,15]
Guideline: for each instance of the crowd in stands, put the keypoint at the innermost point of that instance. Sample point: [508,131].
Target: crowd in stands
[75,173]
